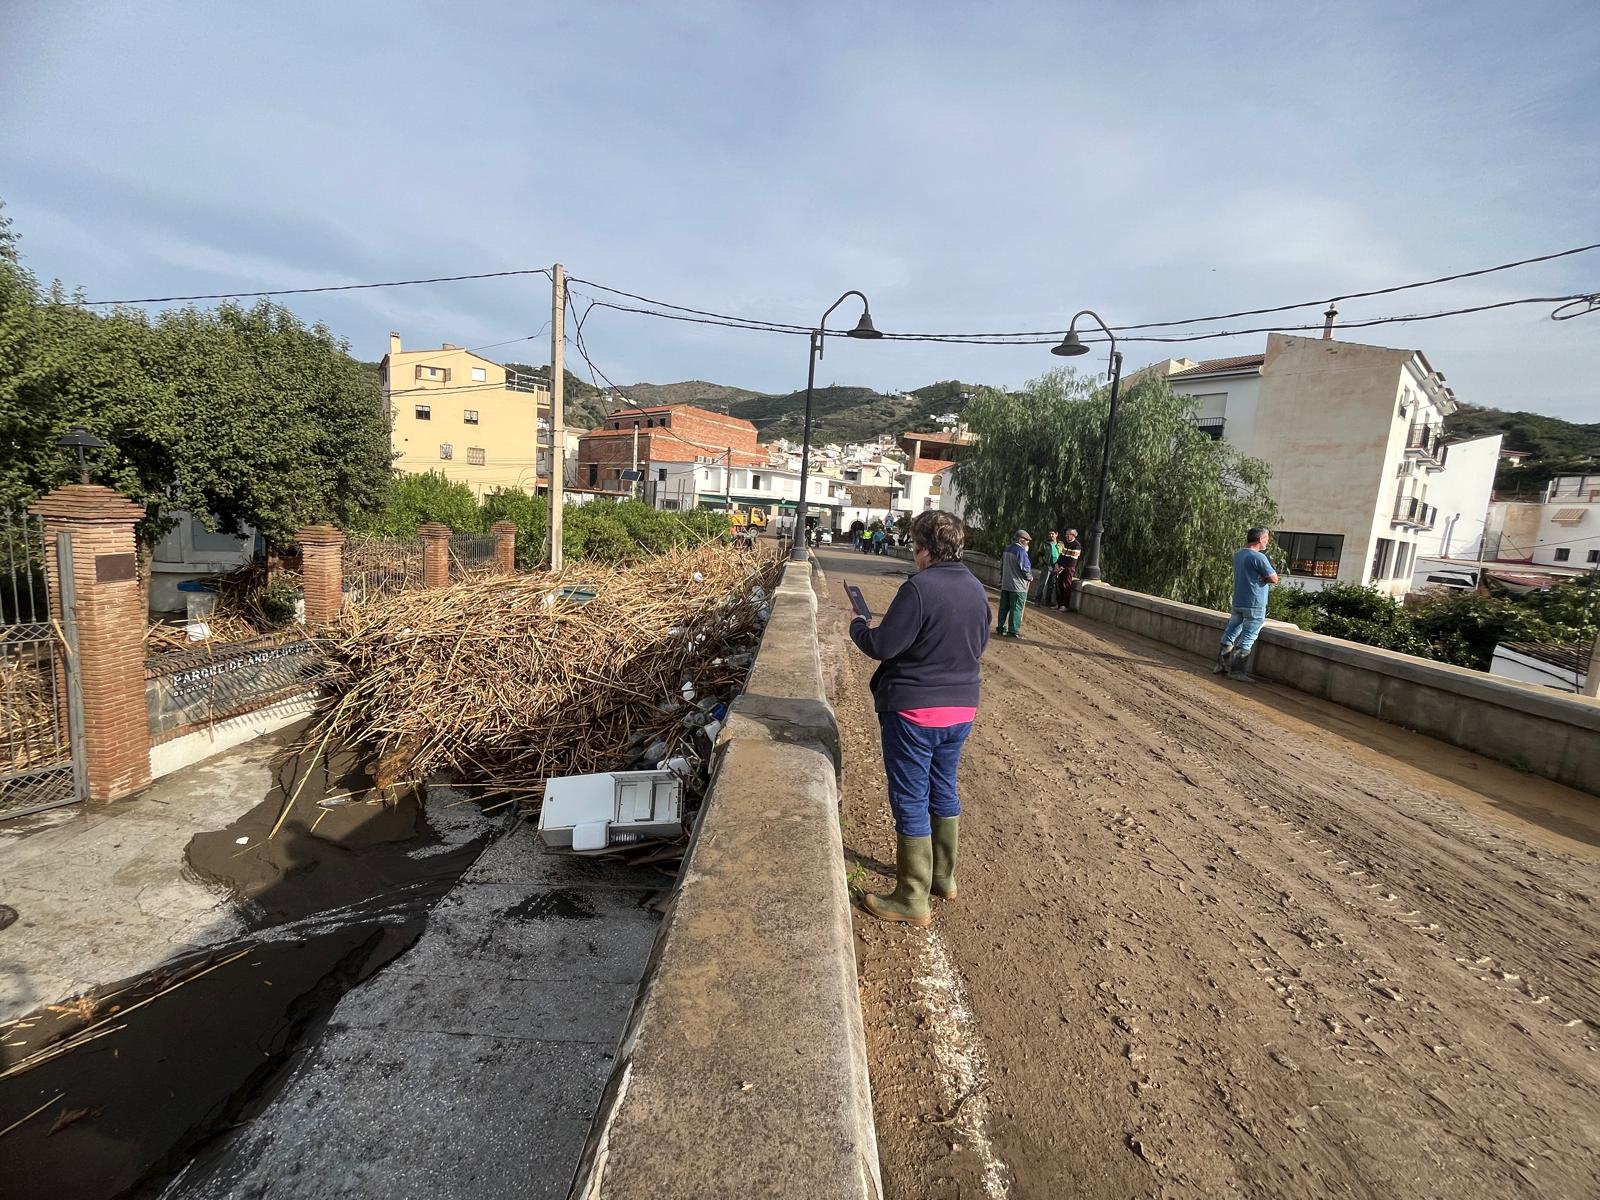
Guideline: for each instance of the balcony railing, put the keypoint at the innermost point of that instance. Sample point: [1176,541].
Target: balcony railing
[1424,441]
[1410,510]
[1211,426]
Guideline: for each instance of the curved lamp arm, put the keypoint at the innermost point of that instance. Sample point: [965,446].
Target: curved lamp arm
[1100,321]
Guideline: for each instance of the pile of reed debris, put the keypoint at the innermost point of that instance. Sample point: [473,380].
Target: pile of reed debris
[502,681]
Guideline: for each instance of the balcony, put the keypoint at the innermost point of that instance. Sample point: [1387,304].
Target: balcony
[1409,510]
[1210,426]
[1424,442]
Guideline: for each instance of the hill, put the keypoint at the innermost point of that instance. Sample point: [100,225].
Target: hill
[839,414]
[1554,446]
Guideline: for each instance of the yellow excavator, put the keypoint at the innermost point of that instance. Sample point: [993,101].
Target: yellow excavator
[753,517]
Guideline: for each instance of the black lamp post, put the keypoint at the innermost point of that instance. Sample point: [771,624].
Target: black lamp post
[1071,347]
[80,439]
[864,329]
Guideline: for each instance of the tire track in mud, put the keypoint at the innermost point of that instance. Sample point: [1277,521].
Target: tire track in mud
[1216,949]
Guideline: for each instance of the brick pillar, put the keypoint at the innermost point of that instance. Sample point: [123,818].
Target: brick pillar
[321,572]
[505,545]
[111,617]
[435,554]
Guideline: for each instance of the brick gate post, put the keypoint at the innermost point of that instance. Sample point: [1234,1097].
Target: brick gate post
[435,537]
[111,617]
[321,572]
[505,545]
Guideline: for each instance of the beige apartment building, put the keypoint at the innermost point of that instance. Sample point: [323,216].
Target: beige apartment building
[456,412]
[1353,436]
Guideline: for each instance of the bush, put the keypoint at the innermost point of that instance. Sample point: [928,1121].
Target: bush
[413,499]
[531,516]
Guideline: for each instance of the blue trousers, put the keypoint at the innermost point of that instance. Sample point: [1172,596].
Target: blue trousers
[1242,628]
[921,765]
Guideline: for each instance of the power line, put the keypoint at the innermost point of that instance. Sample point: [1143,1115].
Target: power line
[339,287]
[709,317]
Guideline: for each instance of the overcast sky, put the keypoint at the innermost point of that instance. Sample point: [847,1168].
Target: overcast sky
[970,167]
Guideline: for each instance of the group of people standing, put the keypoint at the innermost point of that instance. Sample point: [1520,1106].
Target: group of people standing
[1058,567]
[925,688]
[877,541]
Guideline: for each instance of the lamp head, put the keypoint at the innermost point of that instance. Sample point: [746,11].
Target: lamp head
[1071,346]
[865,329]
[81,439]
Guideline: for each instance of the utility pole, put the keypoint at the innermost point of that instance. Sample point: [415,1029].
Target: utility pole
[1591,681]
[634,486]
[727,483]
[558,417]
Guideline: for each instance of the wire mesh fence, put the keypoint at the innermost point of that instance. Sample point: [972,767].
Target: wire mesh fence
[36,767]
[184,691]
[375,567]
[472,553]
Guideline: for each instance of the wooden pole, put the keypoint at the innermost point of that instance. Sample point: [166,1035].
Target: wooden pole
[558,416]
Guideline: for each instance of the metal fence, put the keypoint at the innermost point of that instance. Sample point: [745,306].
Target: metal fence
[376,567]
[39,704]
[195,688]
[472,553]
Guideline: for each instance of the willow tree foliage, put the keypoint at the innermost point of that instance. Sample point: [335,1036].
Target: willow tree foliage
[1179,502]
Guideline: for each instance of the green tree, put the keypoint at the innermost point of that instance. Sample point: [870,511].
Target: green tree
[241,415]
[531,516]
[1179,502]
[412,500]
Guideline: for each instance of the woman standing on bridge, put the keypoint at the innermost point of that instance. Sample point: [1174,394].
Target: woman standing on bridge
[926,695]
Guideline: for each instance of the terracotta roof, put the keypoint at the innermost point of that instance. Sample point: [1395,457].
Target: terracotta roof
[1214,366]
[951,439]
[654,409]
[930,466]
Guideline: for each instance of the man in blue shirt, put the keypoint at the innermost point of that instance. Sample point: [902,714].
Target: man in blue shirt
[1016,573]
[1253,575]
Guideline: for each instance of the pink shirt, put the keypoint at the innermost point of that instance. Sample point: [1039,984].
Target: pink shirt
[938,718]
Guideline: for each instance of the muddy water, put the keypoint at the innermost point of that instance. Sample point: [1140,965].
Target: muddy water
[148,1069]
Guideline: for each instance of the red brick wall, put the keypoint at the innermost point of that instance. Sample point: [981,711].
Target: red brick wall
[322,572]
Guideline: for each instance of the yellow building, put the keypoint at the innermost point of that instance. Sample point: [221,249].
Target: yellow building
[456,412]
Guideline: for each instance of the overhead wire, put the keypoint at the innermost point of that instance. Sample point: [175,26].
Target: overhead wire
[332,287]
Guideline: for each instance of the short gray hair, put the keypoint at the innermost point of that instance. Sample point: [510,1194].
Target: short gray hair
[1255,534]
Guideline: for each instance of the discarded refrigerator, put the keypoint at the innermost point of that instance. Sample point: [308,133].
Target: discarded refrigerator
[589,813]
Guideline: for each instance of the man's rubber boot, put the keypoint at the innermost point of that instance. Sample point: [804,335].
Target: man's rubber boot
[913,869]
[946,832]
[1236,662]
[1224,653]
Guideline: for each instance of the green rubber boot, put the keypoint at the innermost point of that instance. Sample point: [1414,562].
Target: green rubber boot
[946,832]
[913,869]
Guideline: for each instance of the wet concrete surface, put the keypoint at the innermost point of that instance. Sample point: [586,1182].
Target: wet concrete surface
[473,1064]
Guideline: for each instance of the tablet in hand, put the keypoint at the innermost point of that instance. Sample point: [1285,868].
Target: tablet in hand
[857,601]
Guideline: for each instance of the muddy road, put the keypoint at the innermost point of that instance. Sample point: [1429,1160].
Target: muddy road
[1217,939]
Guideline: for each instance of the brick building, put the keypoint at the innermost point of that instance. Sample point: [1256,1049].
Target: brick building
[669,434]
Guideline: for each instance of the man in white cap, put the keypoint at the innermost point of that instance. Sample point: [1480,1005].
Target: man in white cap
[1016,572]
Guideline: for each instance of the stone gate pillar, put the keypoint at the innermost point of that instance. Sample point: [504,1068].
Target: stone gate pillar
[505,545]
[321,572]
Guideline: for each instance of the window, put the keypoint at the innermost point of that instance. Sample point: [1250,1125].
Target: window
[1313,554]
[470,416]
[755,482]
[1594,556]
[1402,560]
[1382,556]
[424,412]
[594,474]
[433,374]
[446,450]
[479,374]
[661,474]
[475,457]
[1563,554]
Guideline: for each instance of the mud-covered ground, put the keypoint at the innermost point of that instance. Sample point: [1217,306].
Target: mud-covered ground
[1218,939]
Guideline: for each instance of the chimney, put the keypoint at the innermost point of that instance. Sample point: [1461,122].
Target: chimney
[1327,322]
[449,346]
[394,342]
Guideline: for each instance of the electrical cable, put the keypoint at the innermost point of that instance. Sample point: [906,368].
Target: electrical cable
[340,287]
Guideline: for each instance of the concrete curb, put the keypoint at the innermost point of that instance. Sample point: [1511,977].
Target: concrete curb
[744,1070]
[1531,728]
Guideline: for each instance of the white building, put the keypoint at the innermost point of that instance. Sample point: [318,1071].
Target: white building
[1353,436]
[1461,494]
[1563,668]
[1569,523]
[686,485]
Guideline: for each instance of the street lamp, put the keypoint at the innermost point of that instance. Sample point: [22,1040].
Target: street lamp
[1071,346]
[864,329]
[80,439]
